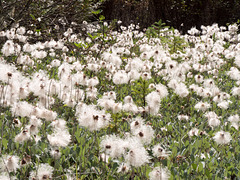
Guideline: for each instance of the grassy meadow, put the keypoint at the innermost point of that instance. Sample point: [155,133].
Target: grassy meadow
[124,104]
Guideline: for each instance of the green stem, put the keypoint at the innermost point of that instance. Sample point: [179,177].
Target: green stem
[180,135]
[2,135]
[144,93]
[115,122]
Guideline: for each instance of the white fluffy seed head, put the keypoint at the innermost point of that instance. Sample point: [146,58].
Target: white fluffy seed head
[159,173]
[9,163]
[222,137]
[159,151]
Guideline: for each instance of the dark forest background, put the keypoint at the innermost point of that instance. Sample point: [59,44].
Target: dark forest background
[180,14]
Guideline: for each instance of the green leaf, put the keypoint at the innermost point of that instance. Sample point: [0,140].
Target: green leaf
[101,18]
[200,167]
[174,151]
[83,177]
[96,12]
[194,166]
[5,143]
[207,173]
[33,17]
[79,45]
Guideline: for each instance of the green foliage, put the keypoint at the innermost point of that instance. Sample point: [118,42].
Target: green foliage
[155,30]
[167,36]
[44,14]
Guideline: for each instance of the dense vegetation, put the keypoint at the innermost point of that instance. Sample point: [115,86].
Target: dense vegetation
[98,100]
[51,17]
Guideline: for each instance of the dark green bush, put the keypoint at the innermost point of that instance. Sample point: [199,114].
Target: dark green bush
[46,14]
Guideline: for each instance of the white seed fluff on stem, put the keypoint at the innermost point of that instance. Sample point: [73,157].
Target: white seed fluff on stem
[113,146]
[35,121]
[214,122]
[234,118]
[92,82]
[59,138]
[28,48]
[130,107]
[159,173]
[5,176]
[234,73]
[183,117]
[22,108]
[145,134]
[23,136]
[153,100]
[162,90]
[218,98]
[128,99]
[222,137]
[120,77]
[123,168]
[134,74]
[44,171]
[172,83]
[55,153]
[198,78]
[8,48]
[106,103]
[211,114]
[146,76]
[21,30]
[48,115]
[32,129]
[202,106]
[92,118]
[181,90]
[9,163]
[235,91]
[17,122]
[193,132]
[2,33]
[224,104]
[159,151]
[59,123]
[137,156]
[117,107]
[136,123]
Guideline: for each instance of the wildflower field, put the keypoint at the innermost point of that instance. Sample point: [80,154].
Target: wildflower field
[124,104]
